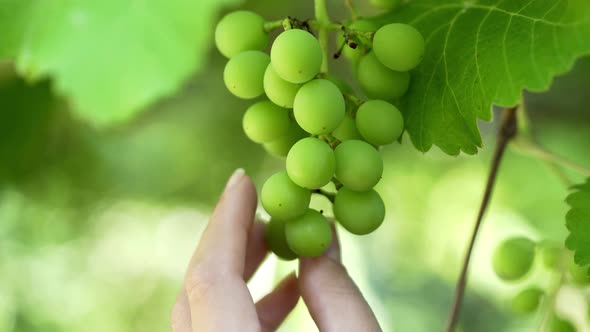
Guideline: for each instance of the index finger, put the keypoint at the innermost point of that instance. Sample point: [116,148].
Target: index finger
[222,248]
[217,294]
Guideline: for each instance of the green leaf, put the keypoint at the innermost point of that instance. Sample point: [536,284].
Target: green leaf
[484,53]
[110,57]
[578,223]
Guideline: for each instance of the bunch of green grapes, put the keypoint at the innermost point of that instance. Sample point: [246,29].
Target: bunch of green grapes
[312,119]
[513,260]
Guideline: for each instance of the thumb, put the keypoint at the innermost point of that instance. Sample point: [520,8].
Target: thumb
[333,299]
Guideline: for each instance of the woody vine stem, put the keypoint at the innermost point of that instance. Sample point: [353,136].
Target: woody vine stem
[507,132]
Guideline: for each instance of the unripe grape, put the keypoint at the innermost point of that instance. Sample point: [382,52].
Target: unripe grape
[346,130]
[282,198]
[244,74]
[379,122]
[514,258]
[579,274]
[359,212]
[311,163]
[354,54]
[399,46]
[278,90]
[265,122]
[276,240]
[309,235]
[281,146]
[527,301]
[240,31]
[296,56]
[359,166]
[319,107]
[550,254]
[380,82]
[557,324]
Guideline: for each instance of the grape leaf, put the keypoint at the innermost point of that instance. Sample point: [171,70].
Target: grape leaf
[111,57]
[578,223]
[484,53]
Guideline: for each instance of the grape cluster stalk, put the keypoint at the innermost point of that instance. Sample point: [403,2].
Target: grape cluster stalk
[302,113]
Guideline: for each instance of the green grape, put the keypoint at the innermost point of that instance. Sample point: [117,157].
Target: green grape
[244,74]
[399,46]
[319,107]
[281,146]
[379,122]
[276,240]
[346,130]
[354,54]
[514,258]
[550,254]
[240,31]
[309,235]
[579,274]
[380,82]
[278,90]
[527,301]
[264,122]
[311,163]
[359,166]
[557,324]
[385,4]
[359,212]
[296,55]
[282,198]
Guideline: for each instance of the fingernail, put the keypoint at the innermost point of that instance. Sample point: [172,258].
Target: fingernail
[235,178]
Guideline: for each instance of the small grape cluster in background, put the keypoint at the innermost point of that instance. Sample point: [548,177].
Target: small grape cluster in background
[512,261]
[313,119]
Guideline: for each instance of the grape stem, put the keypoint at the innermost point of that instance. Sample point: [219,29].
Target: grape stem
[354,15]
[524,130]
[507,132]
[352,99]
[529,147]
[330,196]
[323,21]
[272,25]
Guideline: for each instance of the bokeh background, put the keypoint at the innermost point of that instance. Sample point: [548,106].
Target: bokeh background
[97,223]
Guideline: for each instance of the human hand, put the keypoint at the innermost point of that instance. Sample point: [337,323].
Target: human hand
[215,296]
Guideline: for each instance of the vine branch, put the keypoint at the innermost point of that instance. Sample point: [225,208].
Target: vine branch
[507,132]
[530,148]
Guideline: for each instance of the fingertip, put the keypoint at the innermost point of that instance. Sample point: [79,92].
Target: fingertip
[334,252]
[249,187]
[274,307]
[330,293]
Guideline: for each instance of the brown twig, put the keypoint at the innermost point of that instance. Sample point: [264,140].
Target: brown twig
[507,132]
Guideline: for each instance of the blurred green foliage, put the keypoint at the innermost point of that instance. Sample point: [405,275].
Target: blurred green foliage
[96,225]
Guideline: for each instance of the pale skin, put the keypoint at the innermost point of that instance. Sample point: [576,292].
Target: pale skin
[215,296]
